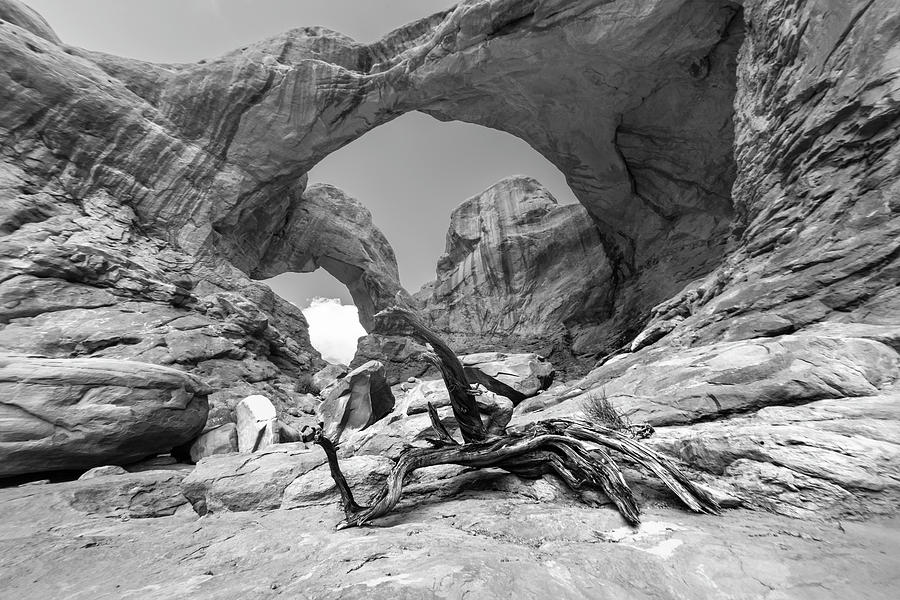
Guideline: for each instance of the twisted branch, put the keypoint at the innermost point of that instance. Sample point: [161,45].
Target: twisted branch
[578,452]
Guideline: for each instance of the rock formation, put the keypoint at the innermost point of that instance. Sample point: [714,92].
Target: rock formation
[328,229]
[219,440]
[739,163]
[208,173]
[66,414]
[356,401]
[257,424]
[651,159]
[513,376]
[518,273]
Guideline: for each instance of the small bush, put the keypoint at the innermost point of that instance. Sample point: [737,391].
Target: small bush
[305,385]
[598,409]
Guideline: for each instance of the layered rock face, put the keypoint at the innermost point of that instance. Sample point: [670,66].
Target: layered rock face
[84,273]
[210,157]
[816,196]
[517,273]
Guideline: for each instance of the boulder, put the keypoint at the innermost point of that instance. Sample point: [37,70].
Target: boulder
[120,494]
[516,376]
[256,424]
[58,414]
[329,375]
[364,475]
[135,495]
[238,482]
[401,356]
[105,471]
[221,440]
[361,398]
[287,433]
[496,410]
[416,399]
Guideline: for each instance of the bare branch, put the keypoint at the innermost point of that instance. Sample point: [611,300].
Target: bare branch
[461,400]
[578,452]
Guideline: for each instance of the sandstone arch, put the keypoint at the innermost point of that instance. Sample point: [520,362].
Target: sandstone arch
[326,228]
[207,158]
[207,154]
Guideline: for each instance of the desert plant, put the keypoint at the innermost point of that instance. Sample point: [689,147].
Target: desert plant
[579,452]
[598,409]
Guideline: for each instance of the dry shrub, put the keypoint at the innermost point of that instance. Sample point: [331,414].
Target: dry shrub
[598,409]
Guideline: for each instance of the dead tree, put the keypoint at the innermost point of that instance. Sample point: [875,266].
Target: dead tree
[580,453]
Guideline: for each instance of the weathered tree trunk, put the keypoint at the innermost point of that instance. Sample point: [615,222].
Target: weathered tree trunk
[578,452]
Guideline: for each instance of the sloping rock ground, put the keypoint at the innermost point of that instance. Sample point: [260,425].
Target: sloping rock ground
[499,539]
[803,425]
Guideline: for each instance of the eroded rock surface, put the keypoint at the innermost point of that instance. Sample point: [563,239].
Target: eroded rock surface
[836,458]
[494,541]
[359,399]
[257,426]
[817,188]
[59,414]
[739,166]
[516,376]
[238,482]
[208,180]
[326,228]
[517,272]
[802,425]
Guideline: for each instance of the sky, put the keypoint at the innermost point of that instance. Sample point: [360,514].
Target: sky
[410,173]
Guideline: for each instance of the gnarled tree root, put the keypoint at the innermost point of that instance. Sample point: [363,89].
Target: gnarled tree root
[576,451]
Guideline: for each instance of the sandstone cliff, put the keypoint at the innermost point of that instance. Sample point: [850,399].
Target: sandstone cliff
[518,272]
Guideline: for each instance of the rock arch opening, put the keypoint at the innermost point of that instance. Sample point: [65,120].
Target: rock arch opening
[643,133]
[329,310]
[469,234]
[412,172]
[634,108]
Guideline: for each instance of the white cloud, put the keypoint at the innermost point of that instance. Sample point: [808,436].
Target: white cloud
[333,328]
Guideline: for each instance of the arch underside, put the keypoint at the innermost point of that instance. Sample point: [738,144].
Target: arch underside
[635,110]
